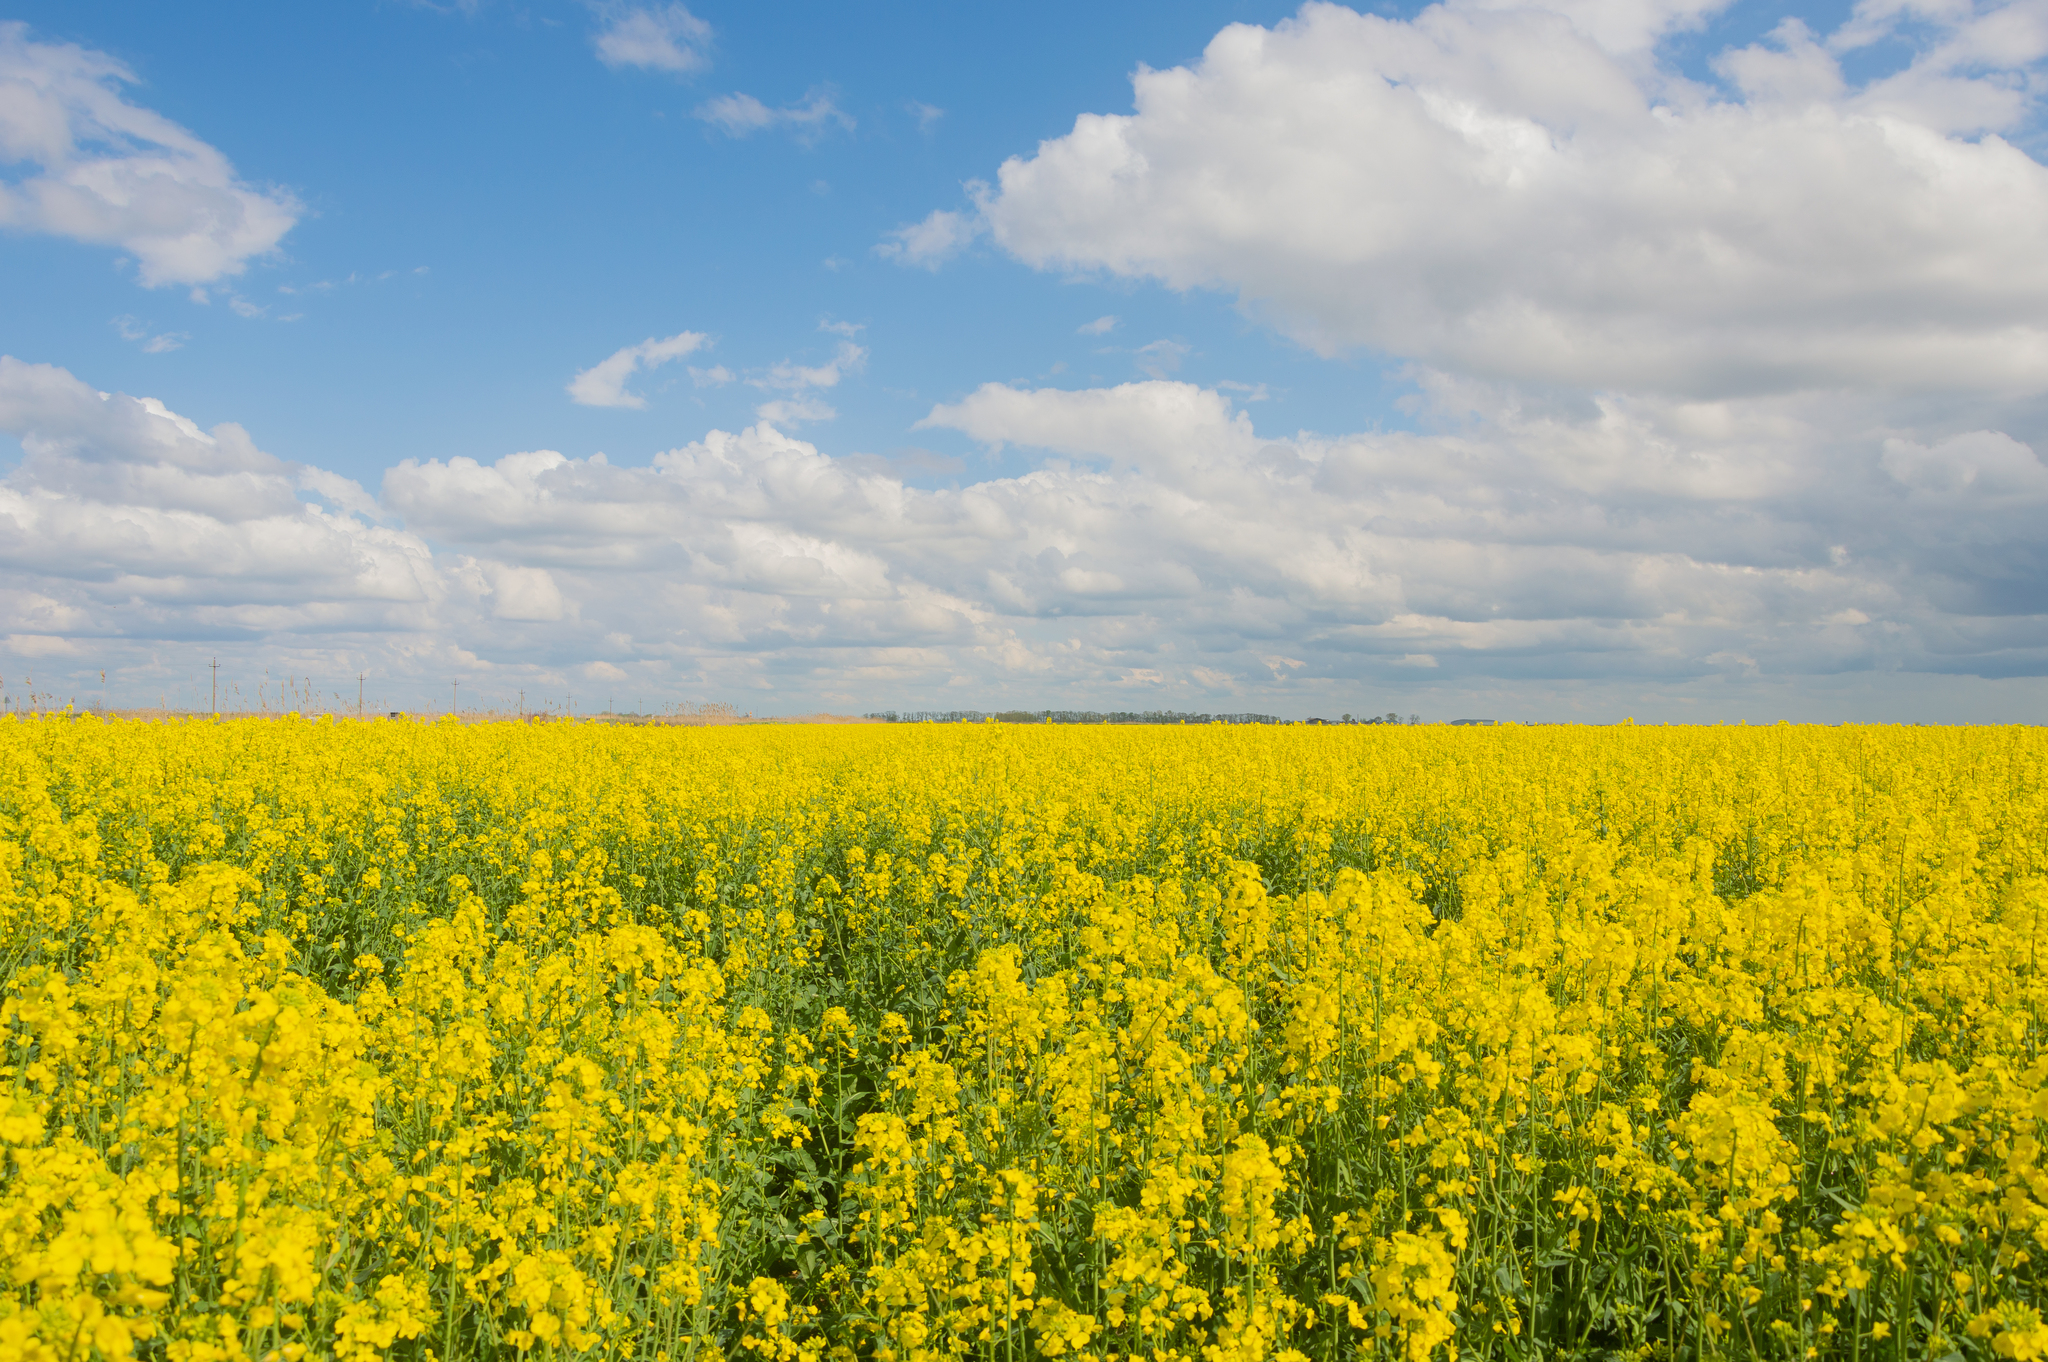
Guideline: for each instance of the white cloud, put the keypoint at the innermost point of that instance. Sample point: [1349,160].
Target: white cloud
[928,244]
[1709,549]
[335,490]
[1619,26]
[1978,464]
[135,522]
[927,115]
[1946,85]
[604,384]
[738,114]
[1735,398]
[652,37]
[1101,326]
[1159,358]
[791,377]
[521,593]
[796,380]
[790,411]
[741,115]
[159,343]
[104,171]
[1525,195]
[40,645]
[1162,427]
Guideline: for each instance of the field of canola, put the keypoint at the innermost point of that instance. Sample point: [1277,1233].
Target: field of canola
[442,1041]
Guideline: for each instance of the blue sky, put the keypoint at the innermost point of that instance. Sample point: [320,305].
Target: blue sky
[558,206]
[1571,386]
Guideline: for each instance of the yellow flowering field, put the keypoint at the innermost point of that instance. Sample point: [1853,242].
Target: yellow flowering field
[499,1040]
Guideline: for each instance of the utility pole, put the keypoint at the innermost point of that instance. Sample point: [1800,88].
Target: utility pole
[454,689]
[216,685]
[522,704]
[359,693]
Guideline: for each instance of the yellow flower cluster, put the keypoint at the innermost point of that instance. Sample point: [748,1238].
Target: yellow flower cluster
[349,1041]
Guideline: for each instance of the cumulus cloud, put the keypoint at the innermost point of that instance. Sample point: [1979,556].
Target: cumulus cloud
[1524,194]
[788,376]
[1159,540]
[84,163]
[931,243]
[521,593]
[157,343]
[603,384]
[335,490]
[653,37]
[1945,84]
[1719,393]
[1672,542]
[124,518]
[1159,358]
[792,411]
[1162,427]
[795,381]
[1618,26]
[742,115]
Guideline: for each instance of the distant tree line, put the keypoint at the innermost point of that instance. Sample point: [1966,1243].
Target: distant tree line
[1090,716]
[1067,716]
